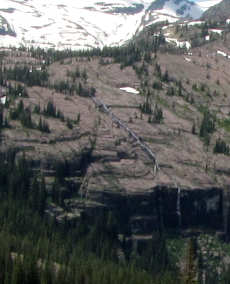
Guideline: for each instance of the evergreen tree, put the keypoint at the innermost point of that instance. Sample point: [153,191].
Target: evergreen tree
[207,125]
[221,147]
[157,114]
[191,272]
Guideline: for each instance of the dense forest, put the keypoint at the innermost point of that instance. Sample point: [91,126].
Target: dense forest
[37,249]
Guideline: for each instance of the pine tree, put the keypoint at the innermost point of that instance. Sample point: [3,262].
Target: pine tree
[157,115]
[34,192]
[221,147]
[207,126]
[191,272]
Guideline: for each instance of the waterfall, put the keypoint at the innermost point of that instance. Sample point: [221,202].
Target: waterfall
[178,207]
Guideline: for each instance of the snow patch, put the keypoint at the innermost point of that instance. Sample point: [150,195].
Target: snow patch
[3,100]
[164,27]
[221,53]
[195,23]
[187,59]
[130,90]
[181,44]
[218,31]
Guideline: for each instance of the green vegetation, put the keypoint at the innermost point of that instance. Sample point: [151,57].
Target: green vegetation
[69,123]
[17,90]
[77,74]
[208,126]
[3,119]
[35,250]
[69,88]
[225,123]
[38,248]
[22,114]
[157,116]
[43,126]
[191,272]
[51,111]
[146,107]
[31,77]
[25,117]
[221,147]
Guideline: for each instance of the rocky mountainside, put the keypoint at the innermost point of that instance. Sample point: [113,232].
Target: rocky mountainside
[142,130]
[85,24]
[219,12]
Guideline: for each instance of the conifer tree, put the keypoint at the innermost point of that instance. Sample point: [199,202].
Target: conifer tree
[191,271]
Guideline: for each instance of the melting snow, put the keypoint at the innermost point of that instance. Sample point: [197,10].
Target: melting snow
[181,44]
[187,59]
[164,27]
[216,31]
[194,23]
[3,100]
[221,53]
[130,90]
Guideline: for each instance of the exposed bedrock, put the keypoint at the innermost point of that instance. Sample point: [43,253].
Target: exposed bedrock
[141,211]
[157,208]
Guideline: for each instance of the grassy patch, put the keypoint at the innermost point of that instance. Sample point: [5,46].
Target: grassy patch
[176,248]
[203,108]
[162,101]
[225,123]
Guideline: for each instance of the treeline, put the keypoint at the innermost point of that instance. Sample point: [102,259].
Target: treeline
[140,48]
[26,75]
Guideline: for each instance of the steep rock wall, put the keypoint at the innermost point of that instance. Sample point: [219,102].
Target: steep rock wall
[157,208]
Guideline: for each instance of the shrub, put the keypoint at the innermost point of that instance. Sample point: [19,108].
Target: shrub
[221,147]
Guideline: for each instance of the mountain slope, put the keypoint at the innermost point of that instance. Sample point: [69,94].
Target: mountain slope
[219,12]
[206,4]
[83,24]
[5,28]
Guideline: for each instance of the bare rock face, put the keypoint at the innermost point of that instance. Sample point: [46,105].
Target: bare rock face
[162,208]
